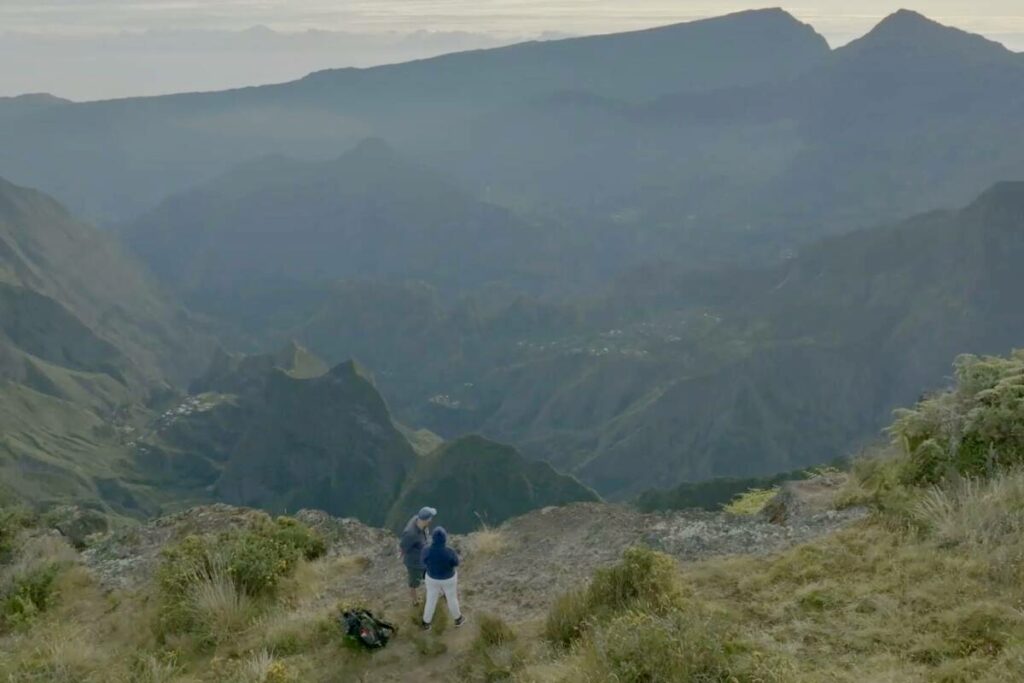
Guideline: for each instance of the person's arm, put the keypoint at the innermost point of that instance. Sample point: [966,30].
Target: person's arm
[455,558]
[406,542]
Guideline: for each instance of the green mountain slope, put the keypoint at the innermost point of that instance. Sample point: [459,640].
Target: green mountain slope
[47,251]
[86,342]
[472,480]
[54,451]
[852,328]
[326,442]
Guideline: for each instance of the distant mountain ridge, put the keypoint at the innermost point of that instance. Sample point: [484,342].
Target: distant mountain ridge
[166,144]
[368,214]
[708,374]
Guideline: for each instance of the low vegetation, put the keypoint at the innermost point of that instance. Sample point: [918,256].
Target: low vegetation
[751,502]
[214,583]
[927,589]
[976,430]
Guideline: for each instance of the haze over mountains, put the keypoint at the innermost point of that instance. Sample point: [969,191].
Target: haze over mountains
[711,249]
[116,61]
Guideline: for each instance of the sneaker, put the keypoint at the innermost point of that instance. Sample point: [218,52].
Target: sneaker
[425,625]
[460,621]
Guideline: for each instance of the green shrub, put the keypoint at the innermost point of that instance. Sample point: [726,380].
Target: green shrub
[13,521]
[295,534]
[28,595]
[640,647]
[974,430]
[643,578]
[257,562]
[255,559]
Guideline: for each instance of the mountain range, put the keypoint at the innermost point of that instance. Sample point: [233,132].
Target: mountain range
[367,215]
[113,159]
[638,260]
[675,375]
[724,141]
[94,356]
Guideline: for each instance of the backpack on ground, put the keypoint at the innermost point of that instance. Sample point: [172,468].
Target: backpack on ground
[360,625]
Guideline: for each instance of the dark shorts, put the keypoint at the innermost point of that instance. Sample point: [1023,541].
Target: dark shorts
[415,576]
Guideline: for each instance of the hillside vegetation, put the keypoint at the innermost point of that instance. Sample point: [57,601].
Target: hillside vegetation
[924,589]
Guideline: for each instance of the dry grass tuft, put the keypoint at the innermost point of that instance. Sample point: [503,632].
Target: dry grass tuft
[487,542]
[221,610]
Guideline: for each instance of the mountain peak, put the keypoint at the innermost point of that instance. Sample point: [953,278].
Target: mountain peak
[907,19]
[907,32]
[350,370]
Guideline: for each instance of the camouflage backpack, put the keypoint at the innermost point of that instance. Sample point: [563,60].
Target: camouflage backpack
[360,625]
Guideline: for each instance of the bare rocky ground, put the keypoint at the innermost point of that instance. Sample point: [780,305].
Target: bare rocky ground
[514,571]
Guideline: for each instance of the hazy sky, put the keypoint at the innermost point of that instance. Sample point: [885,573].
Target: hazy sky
[65,46]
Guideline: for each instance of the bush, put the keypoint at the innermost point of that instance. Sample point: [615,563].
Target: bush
[639,647]
[28,594]
[644,578]
[12,522]
[974,430]
[253,560]
[293,533]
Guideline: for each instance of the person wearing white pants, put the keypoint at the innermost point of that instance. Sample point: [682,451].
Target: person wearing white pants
[442,578]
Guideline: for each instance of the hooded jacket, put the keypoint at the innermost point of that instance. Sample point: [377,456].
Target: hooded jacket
[439,559]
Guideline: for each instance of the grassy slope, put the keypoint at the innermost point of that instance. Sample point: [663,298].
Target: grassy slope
[50,448]
[46,250]
[870,603]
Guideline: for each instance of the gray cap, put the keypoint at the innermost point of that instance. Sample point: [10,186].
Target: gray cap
[426,513]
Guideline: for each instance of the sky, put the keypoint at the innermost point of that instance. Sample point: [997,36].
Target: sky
[91,49]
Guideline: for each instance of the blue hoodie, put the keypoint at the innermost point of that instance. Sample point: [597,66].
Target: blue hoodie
[439,559]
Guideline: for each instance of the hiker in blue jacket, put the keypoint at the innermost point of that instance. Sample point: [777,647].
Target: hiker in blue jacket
[411,545]
[442,577]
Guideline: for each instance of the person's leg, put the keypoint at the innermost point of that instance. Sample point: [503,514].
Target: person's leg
[451,596]
[434,591]
[415,579]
